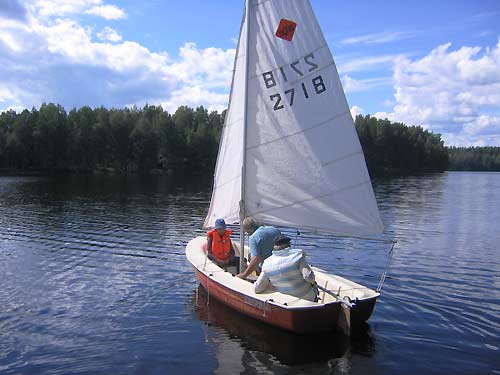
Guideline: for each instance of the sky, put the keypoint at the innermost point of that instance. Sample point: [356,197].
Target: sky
[430,63]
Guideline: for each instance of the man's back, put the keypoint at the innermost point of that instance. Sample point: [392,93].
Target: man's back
[262,241]
[288,272]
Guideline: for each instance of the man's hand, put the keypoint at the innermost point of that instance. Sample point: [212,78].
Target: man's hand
[252,266]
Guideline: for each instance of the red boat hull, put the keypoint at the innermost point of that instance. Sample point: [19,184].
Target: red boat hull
[314,319]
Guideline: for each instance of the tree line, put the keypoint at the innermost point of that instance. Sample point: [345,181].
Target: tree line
[151,139]
[126,140]
[397,149]
[475,159]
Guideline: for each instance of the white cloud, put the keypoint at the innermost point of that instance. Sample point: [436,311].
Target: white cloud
[384,37]
[355,110]
[109,12]
[10,30]
[387,103]
[481,17]
[211,67]
[49,8]
[67,41]
[6,94]
[367,63]
[56,59]
[484,125]
[193,96]
[358,85]
[109,34]
[8,40]
[453,92]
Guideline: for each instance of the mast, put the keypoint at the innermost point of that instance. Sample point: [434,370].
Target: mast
[245,120]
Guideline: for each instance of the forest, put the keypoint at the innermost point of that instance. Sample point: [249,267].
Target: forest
[125,140]
[150,139]
[396,149]
[474,159]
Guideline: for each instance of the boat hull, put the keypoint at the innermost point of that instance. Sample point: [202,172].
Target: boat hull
[321,318]
[362,311]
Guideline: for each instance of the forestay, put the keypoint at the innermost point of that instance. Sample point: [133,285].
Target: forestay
[304,164]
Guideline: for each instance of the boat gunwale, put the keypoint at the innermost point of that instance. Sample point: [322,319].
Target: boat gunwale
[321,273]
[269,301]
[250,294]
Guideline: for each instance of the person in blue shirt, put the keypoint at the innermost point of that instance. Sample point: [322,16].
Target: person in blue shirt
[261,243]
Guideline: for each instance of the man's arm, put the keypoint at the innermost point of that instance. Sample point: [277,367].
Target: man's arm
[252,266]
[307,272]
[262,283]
[209,248]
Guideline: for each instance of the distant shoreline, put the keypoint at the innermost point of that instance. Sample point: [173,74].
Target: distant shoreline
[150,140]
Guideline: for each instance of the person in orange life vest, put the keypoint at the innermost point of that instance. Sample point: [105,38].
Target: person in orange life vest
[219,246]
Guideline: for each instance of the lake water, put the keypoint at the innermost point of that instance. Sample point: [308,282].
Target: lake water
[95,281]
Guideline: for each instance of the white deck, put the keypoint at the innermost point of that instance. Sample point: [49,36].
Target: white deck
[197,257]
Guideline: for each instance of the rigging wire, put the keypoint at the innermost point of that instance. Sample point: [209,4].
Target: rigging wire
[384,274]
[297,234]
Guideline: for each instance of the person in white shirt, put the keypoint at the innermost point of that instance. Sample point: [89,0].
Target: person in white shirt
[287,271]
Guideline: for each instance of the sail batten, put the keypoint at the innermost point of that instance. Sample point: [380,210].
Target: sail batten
[288,132]
[220,185]
[341,158]
[298,132]
[309,199]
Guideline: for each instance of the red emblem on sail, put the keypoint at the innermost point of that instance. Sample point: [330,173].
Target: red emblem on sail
[286,29]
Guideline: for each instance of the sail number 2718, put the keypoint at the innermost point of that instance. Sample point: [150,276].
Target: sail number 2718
[296,69]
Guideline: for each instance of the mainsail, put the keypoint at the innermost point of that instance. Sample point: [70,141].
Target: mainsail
[299,156]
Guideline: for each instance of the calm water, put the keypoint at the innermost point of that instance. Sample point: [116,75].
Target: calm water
[94,280]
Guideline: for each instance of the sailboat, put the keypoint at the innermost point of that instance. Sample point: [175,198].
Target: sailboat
[289,156]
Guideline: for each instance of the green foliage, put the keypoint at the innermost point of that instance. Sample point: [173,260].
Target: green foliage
[475,159]
[128,139]
[397,149]
[150,138]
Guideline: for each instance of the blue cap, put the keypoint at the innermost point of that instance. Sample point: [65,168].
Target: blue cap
[220,224]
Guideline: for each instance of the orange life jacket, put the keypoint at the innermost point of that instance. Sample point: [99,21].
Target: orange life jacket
[221,246]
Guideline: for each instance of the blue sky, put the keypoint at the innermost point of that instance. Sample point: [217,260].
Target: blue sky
[429,63]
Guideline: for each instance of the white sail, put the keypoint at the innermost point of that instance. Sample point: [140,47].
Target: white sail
[226,194]
[304,164]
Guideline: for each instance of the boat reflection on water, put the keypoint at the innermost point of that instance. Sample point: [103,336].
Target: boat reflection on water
[242,335]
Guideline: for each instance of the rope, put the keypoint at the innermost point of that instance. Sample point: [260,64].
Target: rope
[205,262]
[212,272]
[382,278]
[208,289]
